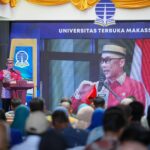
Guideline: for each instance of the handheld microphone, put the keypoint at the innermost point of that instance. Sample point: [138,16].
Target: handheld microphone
[12,70]
[112,92]
[101,83]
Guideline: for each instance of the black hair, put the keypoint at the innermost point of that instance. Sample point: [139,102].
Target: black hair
[2,115]
[59,116]
[114,119]
[66,100]
[98,102]
[135,132]
[52,140]
[137,110]
[36,104]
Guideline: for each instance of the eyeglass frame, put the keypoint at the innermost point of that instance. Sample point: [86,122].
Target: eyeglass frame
[109,59]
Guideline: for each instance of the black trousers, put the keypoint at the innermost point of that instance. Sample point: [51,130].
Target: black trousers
[6,104]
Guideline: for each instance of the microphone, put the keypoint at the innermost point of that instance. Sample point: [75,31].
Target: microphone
[112,92]
[12,70]
[101,83]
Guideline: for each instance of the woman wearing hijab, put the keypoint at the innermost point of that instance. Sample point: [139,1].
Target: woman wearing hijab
[96,126]
[21,114]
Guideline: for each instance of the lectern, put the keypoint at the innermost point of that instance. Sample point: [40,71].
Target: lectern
[19,89]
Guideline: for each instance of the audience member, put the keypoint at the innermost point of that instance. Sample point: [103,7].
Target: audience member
[36,104]
[127,112]
[66,102]
[36,126]
[135,132]
[98,102]
[84,116]
[21,114]
[10,114]
[52,140]
[96,126]
[73,137]
[97,118]
[137,111]
[114,124]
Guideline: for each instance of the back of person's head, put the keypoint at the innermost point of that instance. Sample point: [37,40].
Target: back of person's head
[66,102]
[65,99]
[127,111]
[84,116]
[36,104]
[97,119]
[137,110]
[114,120]
[2,115]
[21,114]
[36,123]
[60,118]
[52,140]
[135,132]
[15,103]
[99,102]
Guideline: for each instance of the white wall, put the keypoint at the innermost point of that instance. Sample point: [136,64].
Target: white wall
[29,11]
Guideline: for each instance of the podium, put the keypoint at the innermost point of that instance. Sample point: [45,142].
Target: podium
[19,89]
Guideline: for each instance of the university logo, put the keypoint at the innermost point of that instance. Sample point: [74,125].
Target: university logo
[105,11]
[21,59]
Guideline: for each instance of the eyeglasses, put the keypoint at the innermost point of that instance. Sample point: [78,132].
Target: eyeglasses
[107,60]
[10,63]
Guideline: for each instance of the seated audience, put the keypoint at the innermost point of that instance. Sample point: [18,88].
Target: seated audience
[52,140]
[114,124]
[96,126]
[36,126]
[137,111]
[135,132]
[73,137]
[84,116]
[98,102]
[66,102]
[36,104]
[10,114]
[21,114]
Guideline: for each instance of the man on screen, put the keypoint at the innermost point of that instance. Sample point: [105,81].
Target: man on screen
[117,85]
[7,75]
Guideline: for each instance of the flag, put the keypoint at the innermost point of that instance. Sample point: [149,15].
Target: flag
[140,68]
[92,94]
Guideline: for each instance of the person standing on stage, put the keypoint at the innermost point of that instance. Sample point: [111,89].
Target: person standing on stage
[7,75]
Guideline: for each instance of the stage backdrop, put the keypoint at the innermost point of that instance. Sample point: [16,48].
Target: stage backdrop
[68,52]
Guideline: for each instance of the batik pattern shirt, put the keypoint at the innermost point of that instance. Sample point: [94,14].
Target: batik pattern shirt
[7,76]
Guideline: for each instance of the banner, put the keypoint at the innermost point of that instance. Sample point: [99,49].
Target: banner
[23,61]
[24,53]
